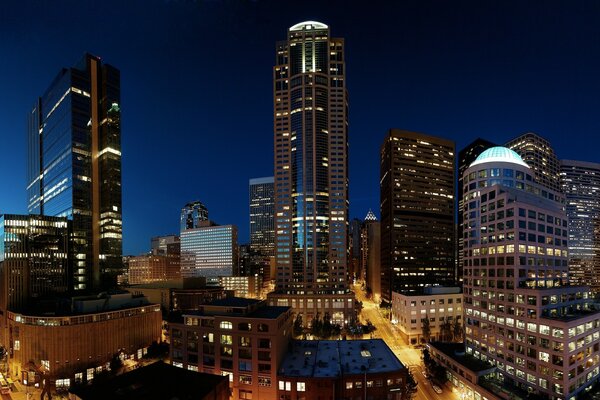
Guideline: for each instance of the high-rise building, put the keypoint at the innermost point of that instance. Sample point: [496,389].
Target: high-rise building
[311,173]
[74,166]
[33,259]
[581,186]
[465,157]
[192,215]
[355,242]
[539,155]
[417,212]
[209,250]
[371,255]
[165,245]
[262,206]
[533,331]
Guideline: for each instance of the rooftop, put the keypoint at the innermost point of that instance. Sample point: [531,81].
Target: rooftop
[456,351]
[330,358]
[149,383]
[499,154]
[233,302]
[307,25]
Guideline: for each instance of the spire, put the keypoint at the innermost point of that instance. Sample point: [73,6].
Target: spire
[370,216]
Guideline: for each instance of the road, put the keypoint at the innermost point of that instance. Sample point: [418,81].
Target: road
[409,356]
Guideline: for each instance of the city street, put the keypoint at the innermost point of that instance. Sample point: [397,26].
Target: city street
[409,356]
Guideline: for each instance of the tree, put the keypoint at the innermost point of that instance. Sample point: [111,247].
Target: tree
[426,329]
[298,328]
[115,363]
[446,331]
[457,331]
[409,389]
[326,328]
[316,326]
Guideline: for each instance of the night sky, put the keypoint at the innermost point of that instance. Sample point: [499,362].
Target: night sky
[196,87]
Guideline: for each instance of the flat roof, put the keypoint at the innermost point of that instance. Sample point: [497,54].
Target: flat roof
[151,383]
[233,302]
[268,312]
[456,351]
[331,358]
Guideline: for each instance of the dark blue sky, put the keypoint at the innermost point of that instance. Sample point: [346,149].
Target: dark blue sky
[196,88]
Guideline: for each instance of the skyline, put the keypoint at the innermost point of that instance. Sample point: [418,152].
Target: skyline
[474,80]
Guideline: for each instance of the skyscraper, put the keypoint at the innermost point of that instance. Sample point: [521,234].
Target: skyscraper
[417,212]
[33,260]
[262,206]
[465,157]
[521,315]
[581,186]
[74,166]
[311,172]
[192,215]
[539,155]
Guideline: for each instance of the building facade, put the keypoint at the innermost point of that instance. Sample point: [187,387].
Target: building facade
[341,369]
[209,250]
[581,186]
[151,268]
[60,345]
[465,158]
[311,168]
[262,219]
[521,315]
[243,286]
[441,305]
[34,261]
[417,212]
[539,155]
[192,215]
[240,338]
[74,166]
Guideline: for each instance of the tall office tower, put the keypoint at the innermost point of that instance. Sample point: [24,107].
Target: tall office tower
[581,186]
[417,212]
[521,314]
[74,166]
[193,215]
[465,157]
[262,207]
[311,172]
[209,250]
[371,255]
[33,259]
[164,245]
[539,155]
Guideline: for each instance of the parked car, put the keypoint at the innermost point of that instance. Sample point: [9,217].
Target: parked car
[437,389]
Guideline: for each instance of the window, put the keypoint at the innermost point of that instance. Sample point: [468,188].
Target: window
[226,339]
[245,365]
[348,385]
[245,394]
[226,325]
[246,379]
[46,364]
[263,328]
[17,345]
[300,386]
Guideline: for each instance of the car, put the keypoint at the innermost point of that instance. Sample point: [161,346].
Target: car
[437,389]
[424,374]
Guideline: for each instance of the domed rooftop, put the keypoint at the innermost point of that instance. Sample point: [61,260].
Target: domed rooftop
[499,154]
[307,25]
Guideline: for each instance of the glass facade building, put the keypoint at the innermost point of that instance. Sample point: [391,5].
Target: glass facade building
[33,259]
[262,207]
[74,166]
[209,251]
[192,215]
[417,212]
[581,186]
[311,161]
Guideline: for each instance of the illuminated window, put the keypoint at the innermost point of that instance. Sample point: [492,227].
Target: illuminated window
[300,386]
[226,325]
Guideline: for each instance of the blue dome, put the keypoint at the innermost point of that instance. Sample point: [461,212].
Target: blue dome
[499,154]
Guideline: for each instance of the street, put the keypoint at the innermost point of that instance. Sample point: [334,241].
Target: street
[409,356]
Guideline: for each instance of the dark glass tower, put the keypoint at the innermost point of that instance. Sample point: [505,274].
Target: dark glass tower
[192,214]
[417,212]
[74,166]
[311,169]
[262,206]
